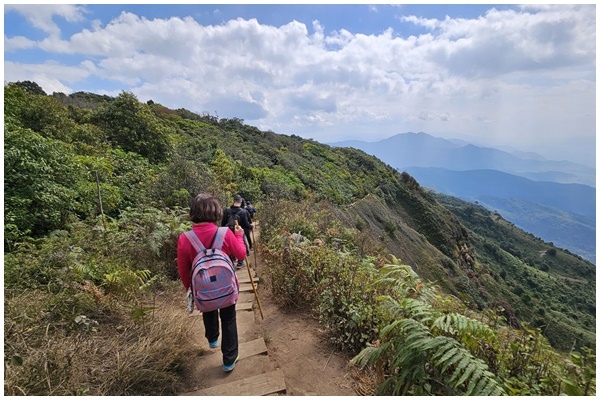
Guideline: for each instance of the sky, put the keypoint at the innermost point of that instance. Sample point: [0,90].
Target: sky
[518,76]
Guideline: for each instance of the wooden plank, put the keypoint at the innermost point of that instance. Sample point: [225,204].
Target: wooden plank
[245,350]
[252,348]
[259,385]
[246,297]
[247,287]
[246,279]
[243,274]
[245,306]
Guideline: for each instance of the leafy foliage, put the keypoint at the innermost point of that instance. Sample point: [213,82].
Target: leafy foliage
[40,183]
[134,127]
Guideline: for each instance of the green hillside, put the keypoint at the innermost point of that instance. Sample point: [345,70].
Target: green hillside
[96,191]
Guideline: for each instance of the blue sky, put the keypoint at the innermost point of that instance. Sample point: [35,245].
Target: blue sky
[497,75]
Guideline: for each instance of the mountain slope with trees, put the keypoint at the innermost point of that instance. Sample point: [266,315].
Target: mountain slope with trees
[564,214]
[536,193]
[96,192]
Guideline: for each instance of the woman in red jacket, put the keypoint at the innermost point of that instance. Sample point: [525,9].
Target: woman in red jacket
[206,213]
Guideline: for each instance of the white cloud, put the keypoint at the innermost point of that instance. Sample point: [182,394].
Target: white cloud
[508,74]
[51,76]
[41,15]
[507,41]
[18,43]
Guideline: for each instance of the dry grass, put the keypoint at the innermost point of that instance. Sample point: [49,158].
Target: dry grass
[365,381]
[121,358]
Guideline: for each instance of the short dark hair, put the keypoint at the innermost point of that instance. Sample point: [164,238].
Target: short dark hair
[205,208]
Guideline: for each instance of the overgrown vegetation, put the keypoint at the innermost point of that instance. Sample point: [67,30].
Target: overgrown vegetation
[96,190]
[418,340]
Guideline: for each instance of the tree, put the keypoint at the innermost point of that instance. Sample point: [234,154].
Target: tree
[31,87]
[134,127]
[224,168]
[39,184]
[42,114]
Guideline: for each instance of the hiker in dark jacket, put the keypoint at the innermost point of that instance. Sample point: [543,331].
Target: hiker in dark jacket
[251,210]
[243,219]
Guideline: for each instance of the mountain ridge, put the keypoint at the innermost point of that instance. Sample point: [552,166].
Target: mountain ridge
[464,170]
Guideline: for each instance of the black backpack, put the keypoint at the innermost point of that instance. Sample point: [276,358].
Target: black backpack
[232,218]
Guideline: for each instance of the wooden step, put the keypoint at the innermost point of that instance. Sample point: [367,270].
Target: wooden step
[246,297]
[245,350]
[245,306]
[254,350]
[243,273]
[247,287]
[259,385]
[246,279]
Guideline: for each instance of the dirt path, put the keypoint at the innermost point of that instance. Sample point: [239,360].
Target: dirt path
[283,349]
[310,366]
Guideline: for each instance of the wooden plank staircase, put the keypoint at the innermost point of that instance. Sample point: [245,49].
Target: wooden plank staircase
[255,373]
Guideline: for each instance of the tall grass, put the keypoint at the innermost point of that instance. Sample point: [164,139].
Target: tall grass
[91,310]
[116,357]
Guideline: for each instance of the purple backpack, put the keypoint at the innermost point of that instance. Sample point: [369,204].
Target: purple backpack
[214,282]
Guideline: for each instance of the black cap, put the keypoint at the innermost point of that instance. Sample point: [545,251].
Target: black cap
[237,198]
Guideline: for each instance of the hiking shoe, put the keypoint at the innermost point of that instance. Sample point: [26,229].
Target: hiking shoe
[240,264]
[214,344]
[228,368]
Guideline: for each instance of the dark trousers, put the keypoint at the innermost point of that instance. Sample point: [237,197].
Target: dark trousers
[248,242]
[229,343]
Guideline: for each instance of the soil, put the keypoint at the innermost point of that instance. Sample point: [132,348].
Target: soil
[299,347]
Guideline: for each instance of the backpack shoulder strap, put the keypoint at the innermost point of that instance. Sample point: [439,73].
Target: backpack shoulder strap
[193,238]
[219,237]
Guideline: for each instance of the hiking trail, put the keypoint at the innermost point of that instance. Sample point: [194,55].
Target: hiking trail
[282,354]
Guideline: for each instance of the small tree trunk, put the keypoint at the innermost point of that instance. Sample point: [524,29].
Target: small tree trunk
[100,201]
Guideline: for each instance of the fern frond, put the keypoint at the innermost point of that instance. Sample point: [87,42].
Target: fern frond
[366,356]
[458,324]
[468,368]
[475,381]
[477,386]
[459,368]
[456,356]
[144,274]
[391,329]
[472,367]
[416,308]
[445,346]
[491,388]
[443,324]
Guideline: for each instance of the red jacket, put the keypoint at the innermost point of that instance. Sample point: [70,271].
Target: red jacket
[233,244]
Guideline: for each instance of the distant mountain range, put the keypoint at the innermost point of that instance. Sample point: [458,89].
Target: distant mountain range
[422,150]
[555,200]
